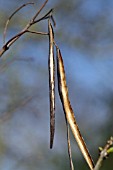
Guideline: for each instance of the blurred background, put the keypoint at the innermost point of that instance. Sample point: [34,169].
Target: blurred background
[84,33]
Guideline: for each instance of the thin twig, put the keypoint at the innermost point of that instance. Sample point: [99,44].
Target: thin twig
[46,16]
[35,16]
[6,25]
[35,32]
[69,145]
[26,28]
[53,20]
[17,36]
[104,153]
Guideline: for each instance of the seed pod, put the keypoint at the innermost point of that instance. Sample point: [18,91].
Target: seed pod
[63,92]
[51,67]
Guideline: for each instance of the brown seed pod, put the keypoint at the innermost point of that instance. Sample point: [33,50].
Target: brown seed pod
[63,92]
[51,67]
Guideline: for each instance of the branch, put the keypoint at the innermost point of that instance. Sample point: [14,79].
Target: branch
[46,16]
[26,28]
[35,32]
[35,16]
[6,25]
[104,153]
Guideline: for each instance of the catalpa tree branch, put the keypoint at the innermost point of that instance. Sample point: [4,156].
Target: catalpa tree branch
[31,22]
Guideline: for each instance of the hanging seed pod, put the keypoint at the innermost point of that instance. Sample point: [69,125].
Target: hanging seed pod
[51,67]
[63,92]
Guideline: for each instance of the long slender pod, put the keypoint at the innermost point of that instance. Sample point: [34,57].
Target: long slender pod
[51,66]
[63,92]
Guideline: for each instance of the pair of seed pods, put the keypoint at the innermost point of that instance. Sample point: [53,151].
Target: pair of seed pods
[64,97]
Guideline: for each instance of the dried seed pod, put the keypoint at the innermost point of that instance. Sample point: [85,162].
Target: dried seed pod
[63,92]
[51,67]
